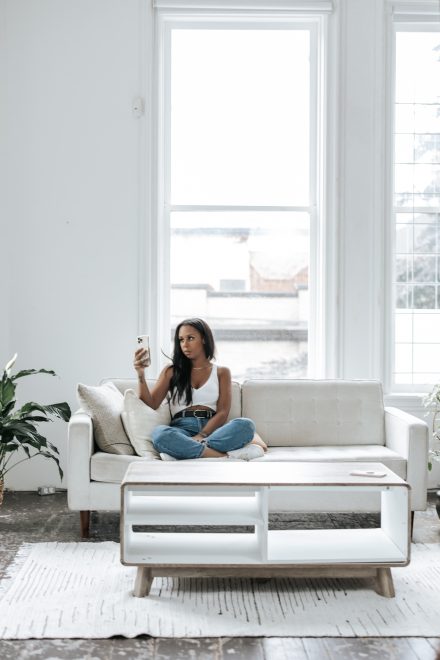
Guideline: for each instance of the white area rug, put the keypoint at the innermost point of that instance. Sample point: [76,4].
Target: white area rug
[81,590]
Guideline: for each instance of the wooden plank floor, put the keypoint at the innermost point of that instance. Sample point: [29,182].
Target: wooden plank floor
[29,517]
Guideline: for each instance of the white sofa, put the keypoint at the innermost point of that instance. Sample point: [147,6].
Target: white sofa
[300,420]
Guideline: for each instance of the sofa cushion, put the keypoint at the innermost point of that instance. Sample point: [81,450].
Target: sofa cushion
[139,421]
[339,454]
[104,404]
[111,468]
[299,413]
[107,467]
[125,383]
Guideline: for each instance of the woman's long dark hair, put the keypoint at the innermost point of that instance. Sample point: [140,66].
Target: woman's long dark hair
[180,383]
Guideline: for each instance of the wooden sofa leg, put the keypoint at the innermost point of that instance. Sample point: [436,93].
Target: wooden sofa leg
[411,527]
[84,520]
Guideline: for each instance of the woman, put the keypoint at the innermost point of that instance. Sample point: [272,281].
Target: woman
[199,395]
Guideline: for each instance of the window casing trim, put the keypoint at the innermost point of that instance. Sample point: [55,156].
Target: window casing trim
[410,11]
[291,6]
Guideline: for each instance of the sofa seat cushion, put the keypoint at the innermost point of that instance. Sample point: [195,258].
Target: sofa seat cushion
[111,467]
[336,453]
[105,468]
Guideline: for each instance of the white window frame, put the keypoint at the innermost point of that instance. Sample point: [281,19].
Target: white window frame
[246,14]
[408,16]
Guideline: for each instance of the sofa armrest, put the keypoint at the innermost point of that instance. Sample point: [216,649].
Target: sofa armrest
[408,436]
[79,453]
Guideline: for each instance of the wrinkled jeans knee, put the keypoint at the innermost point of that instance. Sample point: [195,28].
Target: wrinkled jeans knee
[176,443]
[233,435]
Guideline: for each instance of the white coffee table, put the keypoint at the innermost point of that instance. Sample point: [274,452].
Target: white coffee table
[235,494]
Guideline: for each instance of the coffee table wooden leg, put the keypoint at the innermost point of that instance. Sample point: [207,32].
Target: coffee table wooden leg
[143,581]
[384,580]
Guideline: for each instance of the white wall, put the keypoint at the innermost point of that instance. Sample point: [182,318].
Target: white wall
[71,197]
[74,199]
[4,224]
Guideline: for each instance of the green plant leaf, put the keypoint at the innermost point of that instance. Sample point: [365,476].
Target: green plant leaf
[28,440]
[30,372]
[53,447]
[5,436]
[54,458]
[41,439]
[30,437]
[7,392]
[9,447]
[19,429]
[61,410]
[8,409]
[19,426]
[34,436]
[35,418]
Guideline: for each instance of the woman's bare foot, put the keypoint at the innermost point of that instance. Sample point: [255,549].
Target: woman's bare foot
[256,440]
[211,453]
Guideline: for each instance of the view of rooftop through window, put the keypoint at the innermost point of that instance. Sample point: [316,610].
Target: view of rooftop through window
[240,193]
[417,208]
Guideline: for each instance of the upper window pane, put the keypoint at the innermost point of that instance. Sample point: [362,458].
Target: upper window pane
[418,73]
[240,126]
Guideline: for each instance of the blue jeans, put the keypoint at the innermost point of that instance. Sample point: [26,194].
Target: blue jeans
[176,439]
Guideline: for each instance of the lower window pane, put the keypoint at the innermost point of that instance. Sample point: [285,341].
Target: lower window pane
[427,327]
[403,358]
[247,275]
[417,347]
[403,328]
[426,358]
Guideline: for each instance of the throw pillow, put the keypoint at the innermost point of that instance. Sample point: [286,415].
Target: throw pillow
[140,420]
[104,404]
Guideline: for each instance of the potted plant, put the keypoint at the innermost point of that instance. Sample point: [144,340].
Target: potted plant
[18,428]
[432,403]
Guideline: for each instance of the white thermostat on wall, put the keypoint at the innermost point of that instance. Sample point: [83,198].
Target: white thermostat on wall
[137,107]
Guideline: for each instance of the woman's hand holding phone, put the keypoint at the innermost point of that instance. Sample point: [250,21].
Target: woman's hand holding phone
[142,355]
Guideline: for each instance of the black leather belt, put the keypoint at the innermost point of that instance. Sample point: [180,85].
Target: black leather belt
[202,414]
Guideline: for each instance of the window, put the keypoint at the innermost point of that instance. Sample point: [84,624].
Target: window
[416,206]
[240,166]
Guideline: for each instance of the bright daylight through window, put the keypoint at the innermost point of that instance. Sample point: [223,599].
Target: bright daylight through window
[240,192]
[417,208]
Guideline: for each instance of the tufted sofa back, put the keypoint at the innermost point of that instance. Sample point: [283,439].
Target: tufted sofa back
[290,413]
[315,412]
[127,383]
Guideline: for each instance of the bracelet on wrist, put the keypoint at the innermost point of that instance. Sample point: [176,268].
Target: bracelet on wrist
[204,435]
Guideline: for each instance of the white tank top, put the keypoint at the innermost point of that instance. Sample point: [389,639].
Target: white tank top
[206,395]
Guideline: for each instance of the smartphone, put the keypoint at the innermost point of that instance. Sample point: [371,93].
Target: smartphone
[143,341]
